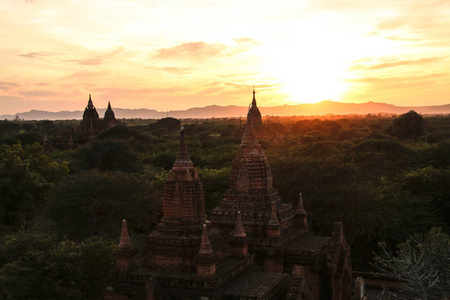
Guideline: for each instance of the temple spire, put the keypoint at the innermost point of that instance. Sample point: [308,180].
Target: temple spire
[274,217]
[90,104]
[301,214]
[249,134]
[183,159]
[300,208]
[205,247]
[239,229]
[109,105]
[254,99]
[125,253]
[125,242]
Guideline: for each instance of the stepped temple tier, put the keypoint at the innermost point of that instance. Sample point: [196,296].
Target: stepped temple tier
[253,247]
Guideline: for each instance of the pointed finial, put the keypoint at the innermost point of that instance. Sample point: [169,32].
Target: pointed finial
[205,247]
[125,242]
[239,229]
[90,105]
[300,208]
[254,99]
[183,159]
[109,105]
[274,217]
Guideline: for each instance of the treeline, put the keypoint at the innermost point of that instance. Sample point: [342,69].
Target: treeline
[384,177]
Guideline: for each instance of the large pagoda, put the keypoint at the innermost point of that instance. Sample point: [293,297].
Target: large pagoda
[279,233]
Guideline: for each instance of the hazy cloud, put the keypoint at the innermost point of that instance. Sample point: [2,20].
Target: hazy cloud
[142,91]
[174,70]
[247,41]
[83,75]
[36,93]
[97,60]
[401,82]
[39,54]
[395,63]
[391,24]
[195,50]
[6,85]
[402,38]
[210,91]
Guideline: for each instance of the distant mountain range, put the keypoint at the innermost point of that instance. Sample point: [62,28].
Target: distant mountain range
[320,108]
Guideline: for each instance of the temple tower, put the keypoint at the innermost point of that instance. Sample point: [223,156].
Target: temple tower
[251,192]
[91,122]
[175,245]
[255,116]
[109,119]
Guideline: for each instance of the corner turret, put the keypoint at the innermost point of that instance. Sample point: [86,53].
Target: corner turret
[125,253]
[239,241]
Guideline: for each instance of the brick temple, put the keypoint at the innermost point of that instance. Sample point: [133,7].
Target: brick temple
[253,247]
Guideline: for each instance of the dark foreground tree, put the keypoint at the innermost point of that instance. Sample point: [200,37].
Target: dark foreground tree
[108,155]
[27,178]
[410,125]
[421,265]
[39,266]
[94,203]
[171,124]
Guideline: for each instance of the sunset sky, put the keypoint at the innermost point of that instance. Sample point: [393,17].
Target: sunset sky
[168,54]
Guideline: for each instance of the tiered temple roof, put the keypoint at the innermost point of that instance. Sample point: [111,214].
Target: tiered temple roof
[175,244]
[251,191]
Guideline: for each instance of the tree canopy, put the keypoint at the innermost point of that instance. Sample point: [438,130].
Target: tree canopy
[27,179]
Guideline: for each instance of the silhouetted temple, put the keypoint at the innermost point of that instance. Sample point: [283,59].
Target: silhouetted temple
[91,122]
[254,247]
[109,119]
[90,125]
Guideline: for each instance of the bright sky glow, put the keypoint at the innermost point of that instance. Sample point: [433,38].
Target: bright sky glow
[177,54]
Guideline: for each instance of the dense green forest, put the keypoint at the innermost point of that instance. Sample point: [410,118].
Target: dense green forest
[385,177]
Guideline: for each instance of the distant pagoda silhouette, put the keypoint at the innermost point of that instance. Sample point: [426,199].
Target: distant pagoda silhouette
[90,125]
